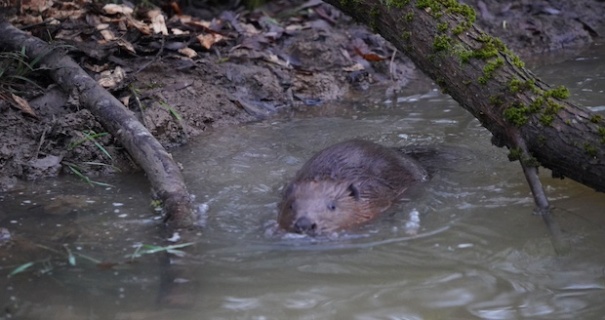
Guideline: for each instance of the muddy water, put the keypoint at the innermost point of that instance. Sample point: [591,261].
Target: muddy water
[478,252]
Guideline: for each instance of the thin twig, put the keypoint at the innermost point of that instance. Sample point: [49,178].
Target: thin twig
[540,199]
[156,58]
[392,65]
[41,142]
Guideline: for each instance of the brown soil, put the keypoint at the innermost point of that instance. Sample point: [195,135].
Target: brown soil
[310,57]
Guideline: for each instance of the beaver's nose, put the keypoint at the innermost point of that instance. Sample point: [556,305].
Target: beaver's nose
[304,225]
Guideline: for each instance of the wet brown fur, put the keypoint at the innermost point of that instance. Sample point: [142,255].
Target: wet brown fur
[346,185]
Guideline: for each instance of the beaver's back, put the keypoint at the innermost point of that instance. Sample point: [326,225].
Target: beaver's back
[371,166]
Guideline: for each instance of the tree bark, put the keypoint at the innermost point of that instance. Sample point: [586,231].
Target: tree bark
[533,120]
[163,173]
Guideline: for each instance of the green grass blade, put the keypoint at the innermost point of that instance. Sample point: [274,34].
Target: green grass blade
[20,269]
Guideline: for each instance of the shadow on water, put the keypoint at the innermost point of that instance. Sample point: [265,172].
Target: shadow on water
[476,253]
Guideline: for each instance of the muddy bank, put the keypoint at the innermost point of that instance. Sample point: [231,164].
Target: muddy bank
[534,27]
[268,62]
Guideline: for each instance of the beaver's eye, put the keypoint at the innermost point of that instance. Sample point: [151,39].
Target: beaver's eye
[331,206]
[354,192]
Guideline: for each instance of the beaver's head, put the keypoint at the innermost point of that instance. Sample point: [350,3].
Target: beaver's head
[322,206]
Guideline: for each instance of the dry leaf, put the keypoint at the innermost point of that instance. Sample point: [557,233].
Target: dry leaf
[178,32]
[23,105]
[68,34]
[183,19]
[97,68]
[363,51]
[345,54]
[158,23]
[126,45]
[208,40]
[188,52]
[52,22]
[250,29]
[110,79]
[125,100]
[107,35]
[174,5]
[200,23]
[37,5]
[31,20]
[144,28]
[273,58]
[372,57]
[356,67]
[117,8]
[295,28]
[62,14]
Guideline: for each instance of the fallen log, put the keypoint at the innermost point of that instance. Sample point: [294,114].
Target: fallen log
[535,121]
[491,82]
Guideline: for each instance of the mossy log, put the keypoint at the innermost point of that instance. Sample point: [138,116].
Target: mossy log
[537,122]
[161,170]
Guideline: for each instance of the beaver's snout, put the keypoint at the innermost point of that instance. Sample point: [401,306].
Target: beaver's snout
[305,225]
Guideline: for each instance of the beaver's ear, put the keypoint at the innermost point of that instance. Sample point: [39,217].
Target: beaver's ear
[353,191]
[288,189]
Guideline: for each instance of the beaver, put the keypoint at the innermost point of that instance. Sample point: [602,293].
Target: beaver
[346,185]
